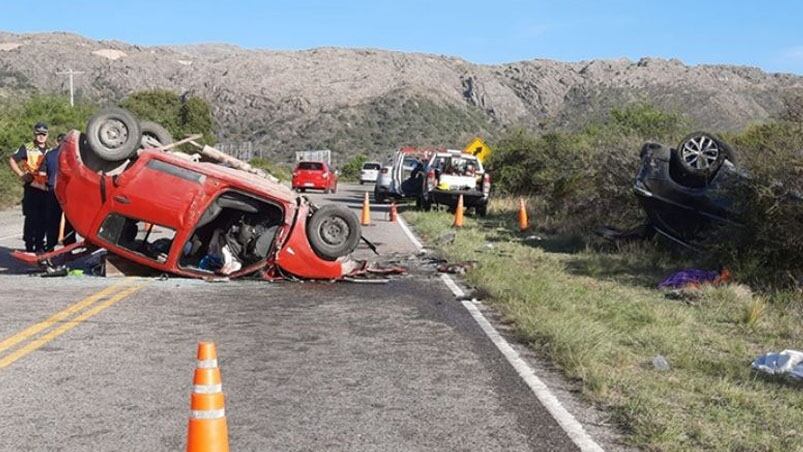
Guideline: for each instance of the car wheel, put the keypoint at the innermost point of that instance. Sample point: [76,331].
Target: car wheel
[302,190]
[701,154]
[333,231]
[334,189]
[154,135]
[113,134]
[482,211]
[361,182]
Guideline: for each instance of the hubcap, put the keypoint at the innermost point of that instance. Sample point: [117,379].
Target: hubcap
[700,152]
[334,231]
[113,133]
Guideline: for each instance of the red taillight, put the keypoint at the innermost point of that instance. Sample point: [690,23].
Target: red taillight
[486,185]
[384,170]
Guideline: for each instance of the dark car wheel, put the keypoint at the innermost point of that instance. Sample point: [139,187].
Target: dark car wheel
[701,154]
[154,135]
[333,231]
[482,211]
[113,134]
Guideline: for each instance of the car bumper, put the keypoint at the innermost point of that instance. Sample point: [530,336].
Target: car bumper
[471,198]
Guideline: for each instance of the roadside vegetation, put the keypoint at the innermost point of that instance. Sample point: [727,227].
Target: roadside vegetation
[179,115]
[281,171]
[598,316]
[593,307]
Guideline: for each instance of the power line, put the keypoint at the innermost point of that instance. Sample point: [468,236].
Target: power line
[71,73]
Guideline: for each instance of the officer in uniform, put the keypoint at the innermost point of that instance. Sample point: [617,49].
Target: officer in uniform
[26,163]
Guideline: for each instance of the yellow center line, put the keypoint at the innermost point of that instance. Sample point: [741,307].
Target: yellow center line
[58,317]
[63,328]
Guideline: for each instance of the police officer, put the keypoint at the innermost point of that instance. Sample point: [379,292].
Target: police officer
[54,213]
[26,163]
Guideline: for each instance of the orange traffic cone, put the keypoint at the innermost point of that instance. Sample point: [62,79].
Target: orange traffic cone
[366,211]
[393,213]
[523,223]
[458,213]
[207,431]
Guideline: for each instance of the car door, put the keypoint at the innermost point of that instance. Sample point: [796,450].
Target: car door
[160,196]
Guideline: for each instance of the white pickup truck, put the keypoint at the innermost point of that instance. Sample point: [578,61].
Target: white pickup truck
[449,174]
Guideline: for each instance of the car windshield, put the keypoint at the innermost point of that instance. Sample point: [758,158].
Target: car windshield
[371,166]
[311,166]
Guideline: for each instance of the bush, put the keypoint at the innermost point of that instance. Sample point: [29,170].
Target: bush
[585,177]
[768,245]
[180,115]
[278,170]
[351,170]
[16,128]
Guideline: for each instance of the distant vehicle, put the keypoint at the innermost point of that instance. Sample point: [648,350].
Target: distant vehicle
[687,191]
[195,219]
[314,176]
[382,185]
[452,173]
[401,178]
[369,172]
[321,155]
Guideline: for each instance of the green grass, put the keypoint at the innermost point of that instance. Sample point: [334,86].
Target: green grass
[598,316]
[10,186]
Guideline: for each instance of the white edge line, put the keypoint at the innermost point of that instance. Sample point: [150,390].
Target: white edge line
[409,233]
[567,422]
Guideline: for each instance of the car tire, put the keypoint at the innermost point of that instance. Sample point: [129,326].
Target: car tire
[700,154]
[113,134]
[334,189]
[154,135]
[361,182]
[482,211]
[333,231]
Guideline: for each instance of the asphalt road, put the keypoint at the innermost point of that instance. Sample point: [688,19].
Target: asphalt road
[93,363]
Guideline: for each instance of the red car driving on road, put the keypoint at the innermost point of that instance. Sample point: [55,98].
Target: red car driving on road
[314,175]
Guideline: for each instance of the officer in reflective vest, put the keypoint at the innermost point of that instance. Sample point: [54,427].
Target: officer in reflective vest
[26,163]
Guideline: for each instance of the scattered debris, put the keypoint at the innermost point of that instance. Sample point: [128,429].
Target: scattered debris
[660,363]
[446,238]
[456,268]
[786,363]
[694,278]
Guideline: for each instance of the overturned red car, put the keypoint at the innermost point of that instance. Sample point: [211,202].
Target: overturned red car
[195,219]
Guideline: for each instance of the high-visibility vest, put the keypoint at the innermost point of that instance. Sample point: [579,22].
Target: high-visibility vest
[33,166]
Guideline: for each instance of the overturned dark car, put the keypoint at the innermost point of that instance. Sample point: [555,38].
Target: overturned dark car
[689,192]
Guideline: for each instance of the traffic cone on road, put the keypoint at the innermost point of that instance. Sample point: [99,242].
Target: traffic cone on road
[393,213]
[366,211]
[523,223]
[458,213]
[207,431]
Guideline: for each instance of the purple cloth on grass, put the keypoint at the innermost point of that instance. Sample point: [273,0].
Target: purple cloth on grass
[686,277]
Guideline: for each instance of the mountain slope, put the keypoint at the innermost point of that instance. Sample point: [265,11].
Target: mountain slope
[369,100]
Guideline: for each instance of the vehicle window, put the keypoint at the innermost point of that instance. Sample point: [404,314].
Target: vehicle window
[150,240]
[371,166]
[311,166]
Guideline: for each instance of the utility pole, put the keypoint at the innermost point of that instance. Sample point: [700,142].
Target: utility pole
[71,73]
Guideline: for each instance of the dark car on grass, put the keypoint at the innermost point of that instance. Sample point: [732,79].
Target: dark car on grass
[688,192]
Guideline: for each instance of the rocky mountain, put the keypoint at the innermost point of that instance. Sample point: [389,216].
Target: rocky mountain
[363,100]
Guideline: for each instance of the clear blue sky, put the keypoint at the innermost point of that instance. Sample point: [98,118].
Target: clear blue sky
[768,34]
